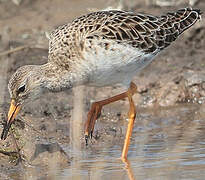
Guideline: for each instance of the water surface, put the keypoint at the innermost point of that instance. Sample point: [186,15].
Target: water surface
[166,144]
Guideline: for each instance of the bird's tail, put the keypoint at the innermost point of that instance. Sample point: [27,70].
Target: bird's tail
[174,23]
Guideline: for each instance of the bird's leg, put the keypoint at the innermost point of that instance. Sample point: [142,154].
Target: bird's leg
[97,106]
[95,111]
[93,114]
[132,115]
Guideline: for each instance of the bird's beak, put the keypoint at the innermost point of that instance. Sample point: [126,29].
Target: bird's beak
[13,111]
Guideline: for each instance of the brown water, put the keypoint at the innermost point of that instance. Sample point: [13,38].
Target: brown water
[166,144]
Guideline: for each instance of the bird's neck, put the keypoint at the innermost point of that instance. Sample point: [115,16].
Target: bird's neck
[56,78]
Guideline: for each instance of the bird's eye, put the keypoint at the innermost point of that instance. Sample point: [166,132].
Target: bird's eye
[21,89]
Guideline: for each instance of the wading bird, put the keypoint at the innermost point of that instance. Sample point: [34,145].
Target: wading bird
[99,49]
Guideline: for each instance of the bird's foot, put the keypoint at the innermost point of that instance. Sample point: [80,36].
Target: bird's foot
[86,140]
[87,137]
[93,115]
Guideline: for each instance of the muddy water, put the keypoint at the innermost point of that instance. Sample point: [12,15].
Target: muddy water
[166,144]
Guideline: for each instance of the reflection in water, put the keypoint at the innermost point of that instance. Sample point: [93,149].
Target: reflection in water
[167,144]
[129,169]
[75,131]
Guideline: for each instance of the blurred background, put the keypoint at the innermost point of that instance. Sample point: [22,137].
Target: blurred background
[168,141]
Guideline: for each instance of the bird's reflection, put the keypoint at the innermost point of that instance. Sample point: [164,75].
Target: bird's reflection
[128,168]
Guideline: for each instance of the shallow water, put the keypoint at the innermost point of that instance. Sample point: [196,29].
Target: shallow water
[166,144]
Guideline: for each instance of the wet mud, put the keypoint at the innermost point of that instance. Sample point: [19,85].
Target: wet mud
[168,139]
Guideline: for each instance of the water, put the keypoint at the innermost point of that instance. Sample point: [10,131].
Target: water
[168,144]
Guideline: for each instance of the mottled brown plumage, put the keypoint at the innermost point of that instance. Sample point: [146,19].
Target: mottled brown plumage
[146,33]
[99,49]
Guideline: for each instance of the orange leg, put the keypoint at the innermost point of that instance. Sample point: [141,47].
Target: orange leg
[96,108]
[132,115]
[95,111]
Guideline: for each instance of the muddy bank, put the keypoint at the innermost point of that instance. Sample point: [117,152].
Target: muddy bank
[42,128]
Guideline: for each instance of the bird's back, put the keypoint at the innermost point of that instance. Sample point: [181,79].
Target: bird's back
[144,32]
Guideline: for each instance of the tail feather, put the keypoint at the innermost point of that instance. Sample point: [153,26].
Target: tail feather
[174,24]
[188,17]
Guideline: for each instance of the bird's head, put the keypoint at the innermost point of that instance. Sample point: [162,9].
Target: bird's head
[24,86]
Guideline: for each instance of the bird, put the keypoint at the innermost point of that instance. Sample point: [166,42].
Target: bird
[99,49]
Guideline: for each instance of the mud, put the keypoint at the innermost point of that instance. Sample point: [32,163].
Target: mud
[44,129]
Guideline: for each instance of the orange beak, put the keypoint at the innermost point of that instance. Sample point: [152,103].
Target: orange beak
[13,111]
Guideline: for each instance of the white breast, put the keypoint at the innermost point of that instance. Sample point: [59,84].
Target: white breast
[116,64]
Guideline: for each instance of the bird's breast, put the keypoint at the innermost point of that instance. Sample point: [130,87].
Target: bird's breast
[107,63]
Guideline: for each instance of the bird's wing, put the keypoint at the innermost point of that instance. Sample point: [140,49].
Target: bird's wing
[145,32]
